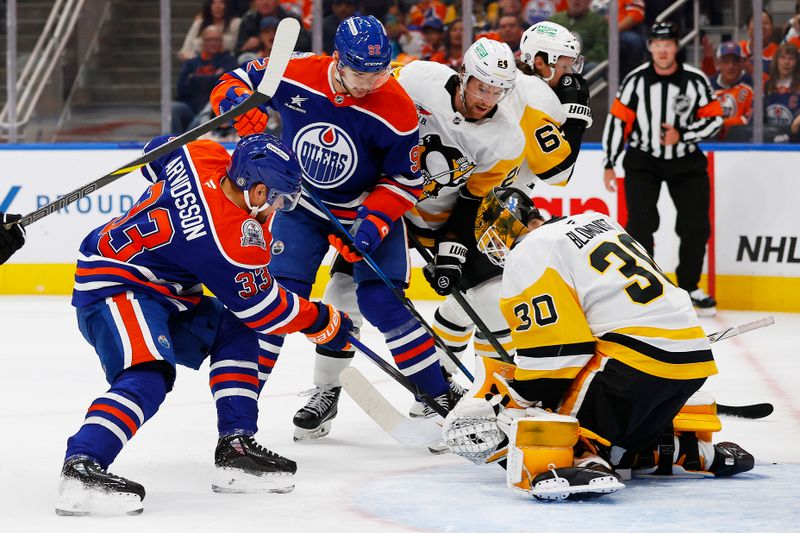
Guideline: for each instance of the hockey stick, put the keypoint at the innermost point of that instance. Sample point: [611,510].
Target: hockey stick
[758,410]
[408,432]
[285,39]
[399,377]
[462,301]
[732,331]
[400,295]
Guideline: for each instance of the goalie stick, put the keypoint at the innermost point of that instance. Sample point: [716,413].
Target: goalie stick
[285,39]
[412,433]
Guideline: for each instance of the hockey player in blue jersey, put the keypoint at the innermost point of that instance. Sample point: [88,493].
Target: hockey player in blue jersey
[140,304]
[355,132]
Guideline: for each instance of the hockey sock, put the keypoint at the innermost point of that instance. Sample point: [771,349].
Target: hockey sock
[485,349]
[235,385]
[415,355]
[116,416]
[411,346]
[454,335]
[328,365]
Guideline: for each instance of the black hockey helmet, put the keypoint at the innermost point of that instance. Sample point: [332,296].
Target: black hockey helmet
[663,30]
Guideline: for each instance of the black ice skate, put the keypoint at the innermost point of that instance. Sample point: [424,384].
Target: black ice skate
[447,401]
[244,466]
[704,305]
[313,421]
[86,488]
[574,483]
[457,392]
[730,459]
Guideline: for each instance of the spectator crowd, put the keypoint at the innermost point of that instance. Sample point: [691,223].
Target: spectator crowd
[229,32]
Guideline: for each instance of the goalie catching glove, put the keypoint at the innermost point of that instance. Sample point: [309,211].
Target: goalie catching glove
[254,121]
[332,328]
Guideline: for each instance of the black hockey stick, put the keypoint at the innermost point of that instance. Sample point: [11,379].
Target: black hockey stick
[399,377]
[285,40]
[754,411]
[427,256]
[758,410]
[400,295]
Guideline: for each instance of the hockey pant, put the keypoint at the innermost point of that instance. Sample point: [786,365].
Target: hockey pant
[139,342]
[455,327]
[630,409]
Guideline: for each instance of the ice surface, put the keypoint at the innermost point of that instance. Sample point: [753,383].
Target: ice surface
[358,478]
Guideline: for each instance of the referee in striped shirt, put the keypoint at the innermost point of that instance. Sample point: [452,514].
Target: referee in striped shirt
[663,109]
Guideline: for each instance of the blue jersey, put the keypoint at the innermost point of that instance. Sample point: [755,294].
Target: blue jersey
[352,150]
[183,233]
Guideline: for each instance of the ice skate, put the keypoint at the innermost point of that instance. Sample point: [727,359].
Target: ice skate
[417,409]
[86,488]
[730,459]
[244,466]
[446,401]
[313,421]
[704,305]
[574,483]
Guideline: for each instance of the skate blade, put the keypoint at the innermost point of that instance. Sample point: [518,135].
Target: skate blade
[76,499]
[560,489]
[678,472]
[236,481]
[301,434]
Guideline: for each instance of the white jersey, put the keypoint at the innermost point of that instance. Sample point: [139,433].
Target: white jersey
[454,151]
[579,288]
[539,113]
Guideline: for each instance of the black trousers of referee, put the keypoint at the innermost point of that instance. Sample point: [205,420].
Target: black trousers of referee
[688,184]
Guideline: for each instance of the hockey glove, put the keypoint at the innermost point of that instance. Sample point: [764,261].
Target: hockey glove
[447,271]
[369,230]
[332,328]
[11,238]
[573,92]
[254,121]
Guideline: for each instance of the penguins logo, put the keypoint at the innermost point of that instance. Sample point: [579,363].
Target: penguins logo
[442,166]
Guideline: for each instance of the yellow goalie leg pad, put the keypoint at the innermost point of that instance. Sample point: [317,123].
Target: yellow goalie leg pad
[538,443]
[699,416]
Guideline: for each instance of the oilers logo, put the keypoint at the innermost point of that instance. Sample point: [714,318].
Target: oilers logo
[326,153]
[779,115]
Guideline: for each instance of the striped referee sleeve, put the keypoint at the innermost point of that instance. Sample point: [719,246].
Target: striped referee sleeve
[709,115]
[620,119]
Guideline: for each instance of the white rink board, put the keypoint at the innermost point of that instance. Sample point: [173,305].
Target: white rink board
[756,193]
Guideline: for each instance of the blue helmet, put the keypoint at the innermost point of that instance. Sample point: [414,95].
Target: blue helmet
[263,158]
[363,45]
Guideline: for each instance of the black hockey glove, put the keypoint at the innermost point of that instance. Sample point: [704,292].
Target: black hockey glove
[573,92]
[447,269]
[11,239]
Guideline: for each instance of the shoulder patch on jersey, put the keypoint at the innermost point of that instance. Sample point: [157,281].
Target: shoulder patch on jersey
[253,234]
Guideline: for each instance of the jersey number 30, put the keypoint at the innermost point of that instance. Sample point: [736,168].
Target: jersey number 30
[641,294]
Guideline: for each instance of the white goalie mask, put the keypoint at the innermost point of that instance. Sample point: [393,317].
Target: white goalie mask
[492,63]
[553,41]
